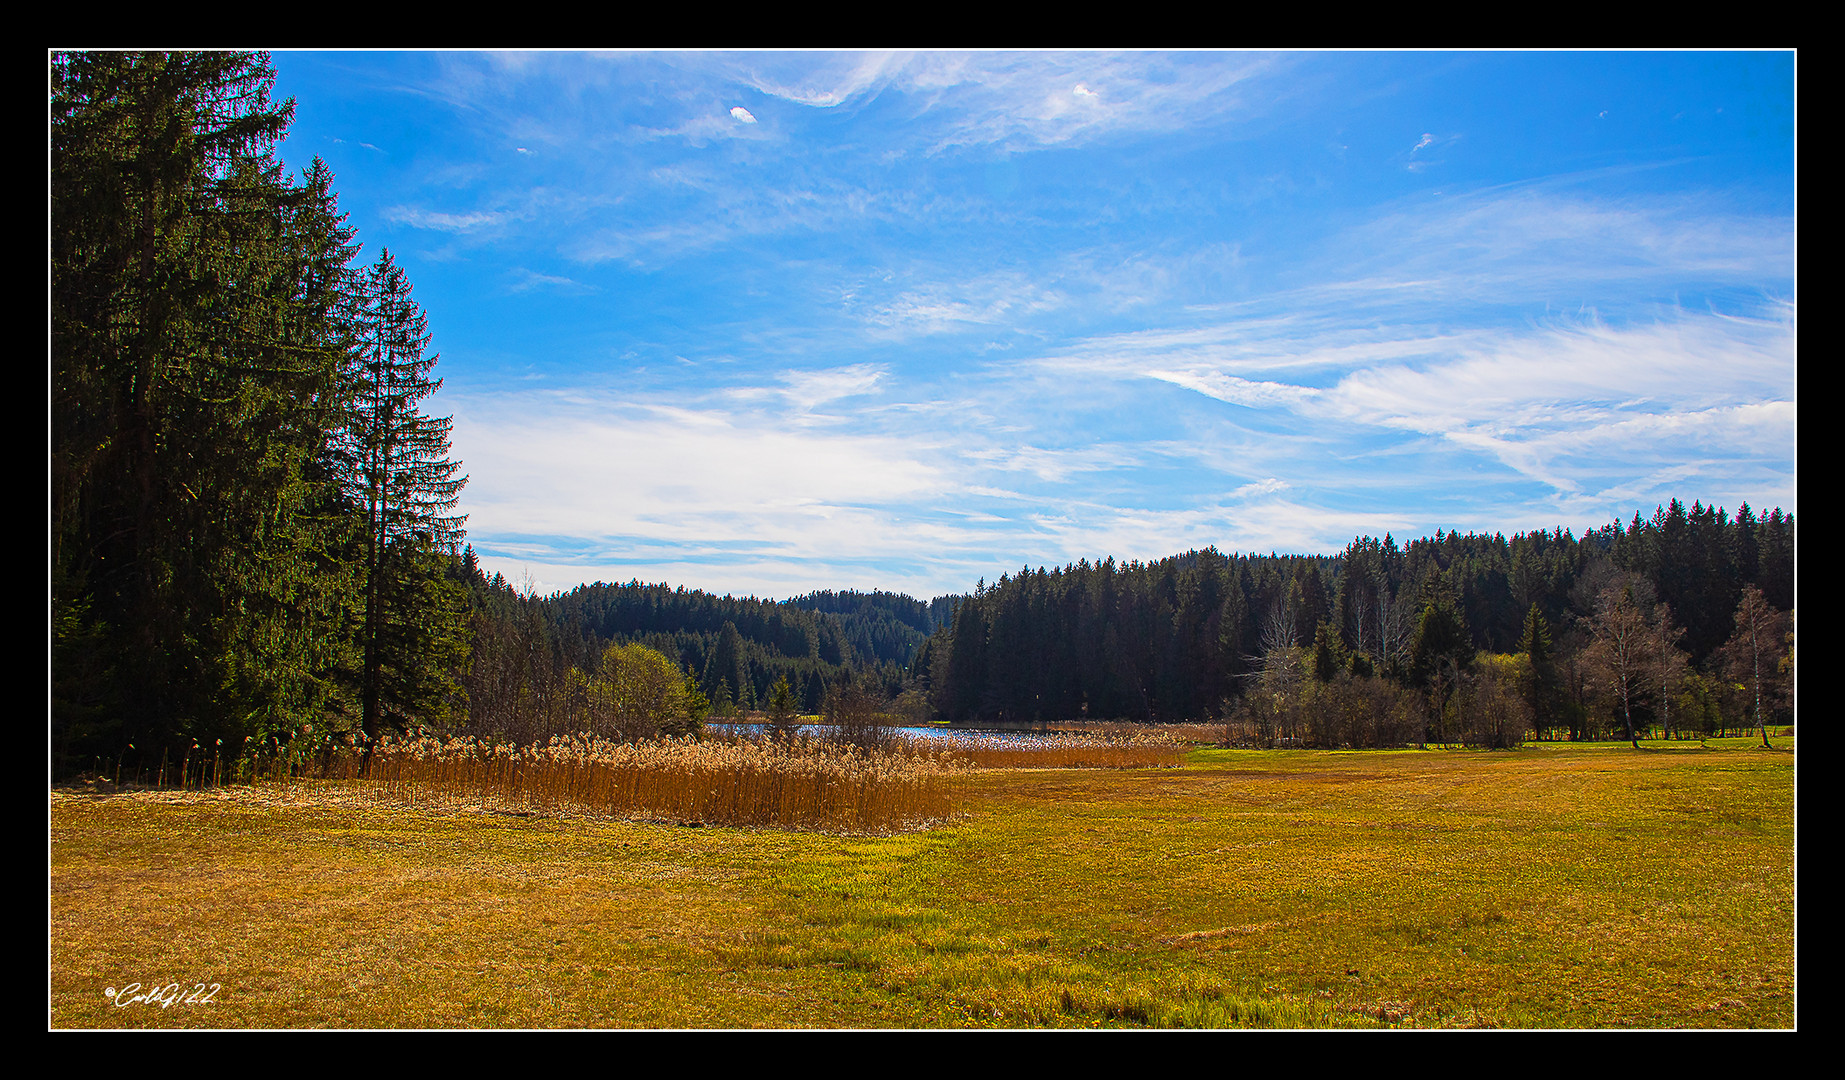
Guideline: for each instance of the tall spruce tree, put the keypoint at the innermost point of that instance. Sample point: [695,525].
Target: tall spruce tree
[413,627]
[192,369]
[1440,652]
[1541,687]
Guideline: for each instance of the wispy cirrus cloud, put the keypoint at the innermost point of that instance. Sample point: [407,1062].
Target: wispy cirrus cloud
[1018,101]
[806,396]
[952,304]
[1237,390]
[1556,405]
[525,280]
[1541,241]
[441,221]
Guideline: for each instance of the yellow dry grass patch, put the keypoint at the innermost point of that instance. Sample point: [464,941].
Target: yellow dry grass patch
[1547,888]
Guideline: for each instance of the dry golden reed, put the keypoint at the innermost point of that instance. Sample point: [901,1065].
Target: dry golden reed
[1139,749]
[800,785]
[803,783]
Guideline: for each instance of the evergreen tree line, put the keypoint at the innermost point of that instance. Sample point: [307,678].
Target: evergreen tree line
[251,521]
[532,654]
[1433,636]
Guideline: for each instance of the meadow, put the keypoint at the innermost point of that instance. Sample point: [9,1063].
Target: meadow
[1554,886]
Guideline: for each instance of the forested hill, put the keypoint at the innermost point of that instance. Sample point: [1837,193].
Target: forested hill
[911,612]
[1172,639]
[736,647]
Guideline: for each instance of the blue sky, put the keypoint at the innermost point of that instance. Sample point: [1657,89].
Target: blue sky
[774,322]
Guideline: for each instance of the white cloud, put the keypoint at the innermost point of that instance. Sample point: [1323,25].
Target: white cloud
[956,303]
[1021,99]
[742,115]
[827,80]
[1564,406]
[1260,487]
[1568,378]
[724,501]
[1052,464]
[418,218]
[1237,390]
[808,390]
[545,466]
[527,280]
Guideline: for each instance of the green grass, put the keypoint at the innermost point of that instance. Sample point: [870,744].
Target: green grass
[1558,886]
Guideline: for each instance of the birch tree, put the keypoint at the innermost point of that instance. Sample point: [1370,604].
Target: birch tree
[1754,651]
[1625,648]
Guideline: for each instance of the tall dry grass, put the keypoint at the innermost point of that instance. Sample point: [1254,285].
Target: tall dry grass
[802,783]
[1137,749]
[805,784]
[1188,732]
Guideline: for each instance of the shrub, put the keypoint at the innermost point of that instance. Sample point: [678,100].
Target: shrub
[637,693]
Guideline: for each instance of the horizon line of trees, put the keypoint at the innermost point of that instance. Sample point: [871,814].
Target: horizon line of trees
[1199,636]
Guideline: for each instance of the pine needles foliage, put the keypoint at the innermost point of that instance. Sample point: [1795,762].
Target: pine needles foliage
[213,573]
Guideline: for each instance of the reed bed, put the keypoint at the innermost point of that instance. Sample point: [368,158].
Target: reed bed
[1192,732]
[1140,749]
[803,784]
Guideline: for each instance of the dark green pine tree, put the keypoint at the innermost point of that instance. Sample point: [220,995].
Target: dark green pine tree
[1330,656]
[1542,688]
[1441,650]
[413,636]
[194,370]
[1775,566]
[784,718]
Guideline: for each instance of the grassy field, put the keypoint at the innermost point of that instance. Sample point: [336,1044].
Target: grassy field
[1565,886]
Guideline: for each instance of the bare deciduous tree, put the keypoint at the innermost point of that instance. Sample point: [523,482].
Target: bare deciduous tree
[857,715]
[1624,649]
[1396,624]
[1499,713]
[1754,649]
[1672,662]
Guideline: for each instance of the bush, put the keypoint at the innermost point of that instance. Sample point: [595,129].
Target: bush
[637,693]
[857,716]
